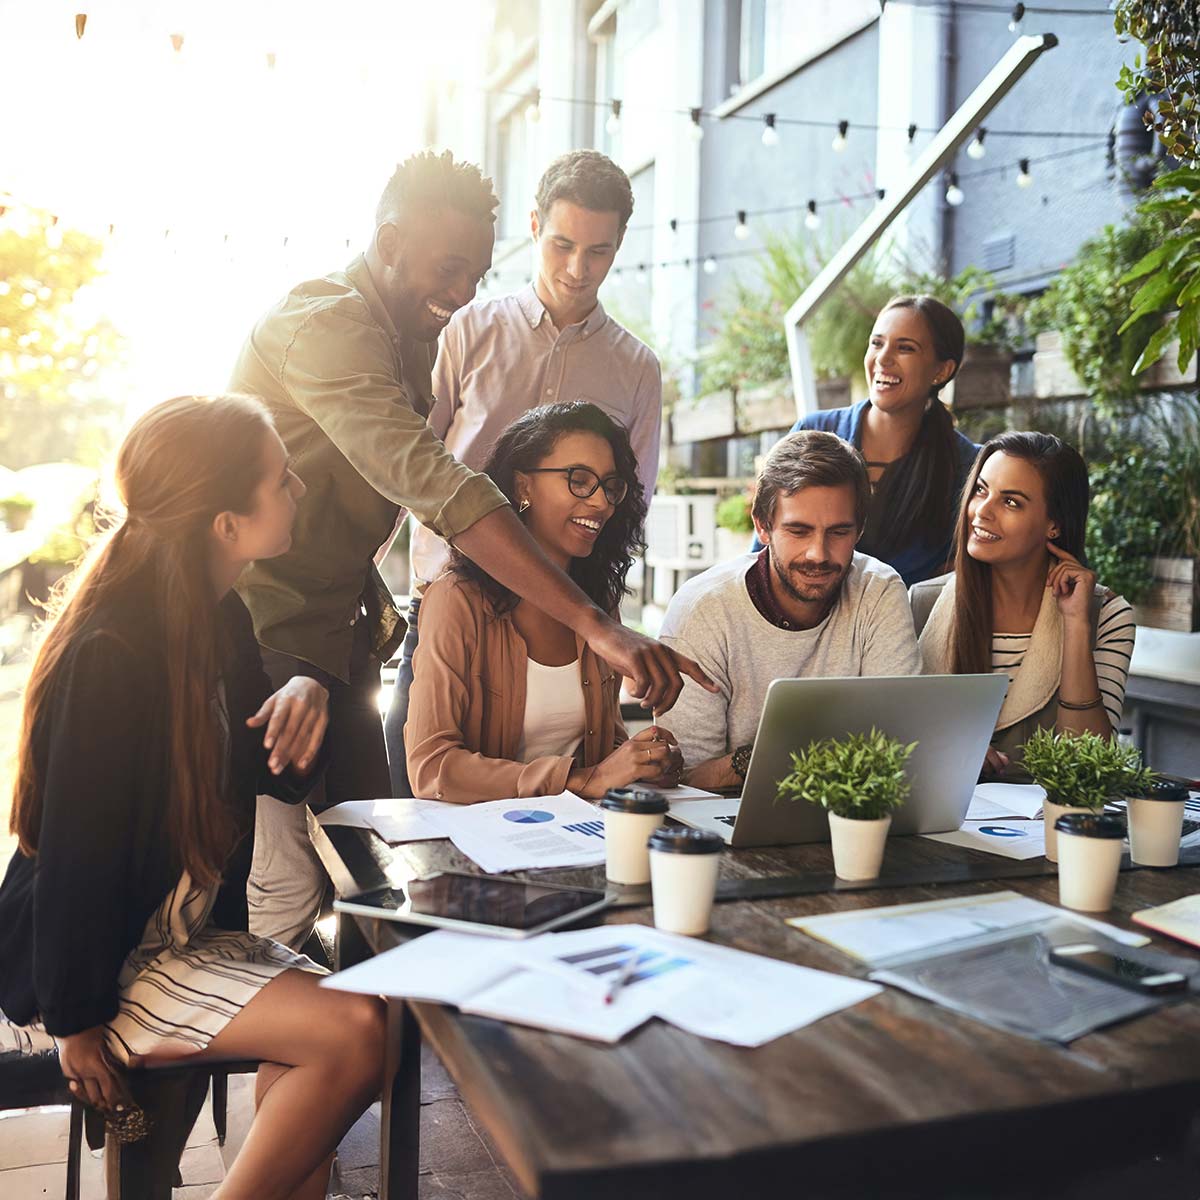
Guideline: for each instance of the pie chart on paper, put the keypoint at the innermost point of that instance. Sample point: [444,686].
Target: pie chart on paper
[528,816]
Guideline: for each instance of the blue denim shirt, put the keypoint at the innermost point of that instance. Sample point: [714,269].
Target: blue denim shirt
[920,558]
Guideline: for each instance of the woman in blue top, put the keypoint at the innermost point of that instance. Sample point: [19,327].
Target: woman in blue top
[916,460]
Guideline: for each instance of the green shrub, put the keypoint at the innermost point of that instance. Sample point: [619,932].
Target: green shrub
[733,513]
[860,776]
[1084,770]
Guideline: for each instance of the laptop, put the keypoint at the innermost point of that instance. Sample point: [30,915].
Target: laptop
[950,717]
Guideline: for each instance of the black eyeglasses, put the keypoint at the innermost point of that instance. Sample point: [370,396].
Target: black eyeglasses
[583,482]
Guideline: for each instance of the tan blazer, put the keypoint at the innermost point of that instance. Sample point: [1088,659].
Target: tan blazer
[467,704]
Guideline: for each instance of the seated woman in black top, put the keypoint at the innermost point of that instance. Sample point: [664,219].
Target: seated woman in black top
[148,728]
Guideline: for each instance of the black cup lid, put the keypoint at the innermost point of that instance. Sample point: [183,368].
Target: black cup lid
[1162,789]
[1097,825]
[634,800]
[675,840]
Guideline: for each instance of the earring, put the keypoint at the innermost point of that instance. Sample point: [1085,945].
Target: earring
[523,505]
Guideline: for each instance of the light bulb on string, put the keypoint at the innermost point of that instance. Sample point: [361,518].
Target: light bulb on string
[696,129]
[812,219]
[912,132]
[54,237]
[533,112]
[1018,15]
[770,135]
[643,275]
[741,230]
[1024,179]
[710,265]
[977,149]
[839,139]
[613,125]
[80,24]
[954,194]
[177,41]
[270,61]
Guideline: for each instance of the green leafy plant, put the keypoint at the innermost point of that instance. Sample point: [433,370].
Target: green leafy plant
[733,513]
[1089,304]
[860,776]
[1171,69]
[1169,295]
[1084,770]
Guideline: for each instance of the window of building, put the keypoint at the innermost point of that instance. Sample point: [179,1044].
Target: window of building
[628,53]
[774,34]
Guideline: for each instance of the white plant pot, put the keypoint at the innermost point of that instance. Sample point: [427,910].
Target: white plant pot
[1155,829]
[731,544]
[1050,813]
[1087,871]
[857,846]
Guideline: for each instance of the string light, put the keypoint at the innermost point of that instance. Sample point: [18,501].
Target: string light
[80,24]
[270,61]
[839,138]
[1018,15]
[976,149]
[710,265]
[643,275]
[177,41]
[696,129]
[770,135]
[533,112]
[741,230]
[613,124]
[812,219]
[912,133]
[1024,179]
[954,194]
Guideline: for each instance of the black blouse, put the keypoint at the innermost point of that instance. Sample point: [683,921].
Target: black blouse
[70,915]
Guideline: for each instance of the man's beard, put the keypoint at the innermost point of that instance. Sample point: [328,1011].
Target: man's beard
[823,589]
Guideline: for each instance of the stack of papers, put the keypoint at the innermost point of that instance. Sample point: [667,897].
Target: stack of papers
[878,936]
[395,820]
[560,981]
[1000,820]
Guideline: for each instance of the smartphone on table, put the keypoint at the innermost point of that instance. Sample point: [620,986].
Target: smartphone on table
[1102,964]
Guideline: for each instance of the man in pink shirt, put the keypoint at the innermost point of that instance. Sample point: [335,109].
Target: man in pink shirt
[550,341]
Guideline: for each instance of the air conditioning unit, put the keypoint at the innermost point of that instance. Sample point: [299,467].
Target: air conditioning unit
[681,532]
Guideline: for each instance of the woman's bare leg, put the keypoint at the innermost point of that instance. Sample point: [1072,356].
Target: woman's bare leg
[333,1044]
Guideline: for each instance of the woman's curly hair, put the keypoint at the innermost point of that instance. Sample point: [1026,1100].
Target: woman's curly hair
[524,445]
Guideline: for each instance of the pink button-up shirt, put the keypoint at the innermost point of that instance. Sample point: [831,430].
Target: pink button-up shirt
[501,357]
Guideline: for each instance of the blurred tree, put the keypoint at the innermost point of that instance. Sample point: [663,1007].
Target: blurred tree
[53,355]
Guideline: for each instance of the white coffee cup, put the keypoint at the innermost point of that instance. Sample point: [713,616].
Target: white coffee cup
[1089,860]
[631,815]
[683,877]
[1156,824]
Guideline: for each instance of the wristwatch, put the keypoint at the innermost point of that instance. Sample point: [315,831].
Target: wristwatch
[739,760]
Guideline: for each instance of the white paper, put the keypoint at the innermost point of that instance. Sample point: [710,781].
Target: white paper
[716,815]
[876,935]
[515,835]
[560,981]
[395,820]
[683,792]
[1011,839]
[1007,799]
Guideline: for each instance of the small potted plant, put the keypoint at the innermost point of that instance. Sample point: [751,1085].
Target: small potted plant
[15,509]
[1081,772]
[858,779]
[735,526]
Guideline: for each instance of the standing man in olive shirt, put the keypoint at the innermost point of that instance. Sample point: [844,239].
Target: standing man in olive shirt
[344,365]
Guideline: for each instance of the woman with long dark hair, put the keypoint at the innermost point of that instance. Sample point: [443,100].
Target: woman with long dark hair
[505,701]
[917,461]
[1022,602]
[148,728]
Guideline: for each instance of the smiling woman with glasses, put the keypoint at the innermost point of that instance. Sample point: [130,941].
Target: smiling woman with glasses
[505,701]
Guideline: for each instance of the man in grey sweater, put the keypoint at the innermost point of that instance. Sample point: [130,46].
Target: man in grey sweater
[806,605]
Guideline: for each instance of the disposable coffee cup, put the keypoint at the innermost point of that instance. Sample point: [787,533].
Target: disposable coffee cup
[1156,824]
[1089,859]
[631,815]
[683,878]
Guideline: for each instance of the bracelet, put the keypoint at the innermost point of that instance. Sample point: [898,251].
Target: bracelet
[1099,700]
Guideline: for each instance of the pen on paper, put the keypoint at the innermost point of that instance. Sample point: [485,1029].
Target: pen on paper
[623,977]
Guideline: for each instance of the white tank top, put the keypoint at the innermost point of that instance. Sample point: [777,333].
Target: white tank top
[554,713]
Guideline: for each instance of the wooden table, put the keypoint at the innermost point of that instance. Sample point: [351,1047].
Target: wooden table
[894,1096]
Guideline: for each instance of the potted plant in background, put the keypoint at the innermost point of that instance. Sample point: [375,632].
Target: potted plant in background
[1081,772]
[15,509]
[859,780]
[735,526]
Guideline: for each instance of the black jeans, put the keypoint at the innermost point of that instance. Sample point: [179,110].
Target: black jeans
[397,714]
